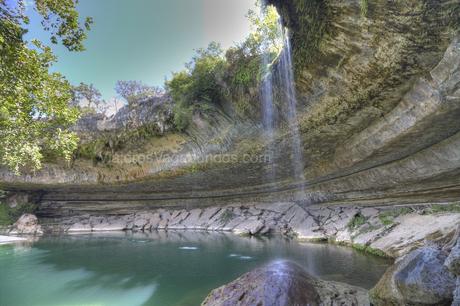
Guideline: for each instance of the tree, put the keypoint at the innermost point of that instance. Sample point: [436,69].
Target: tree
[135,91]
[199,82]
[266,35]
[34,103]
[113,106]
[88,96]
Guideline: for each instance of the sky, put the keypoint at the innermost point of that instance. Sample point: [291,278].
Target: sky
[145,40]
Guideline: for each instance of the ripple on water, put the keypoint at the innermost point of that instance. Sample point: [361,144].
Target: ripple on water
[188,248]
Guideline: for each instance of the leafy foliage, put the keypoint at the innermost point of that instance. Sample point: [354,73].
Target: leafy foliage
[34,103]
[311,21]
[88,98]
[135,91]
[387,217]
[211,77]
[357,221]
[199,82]
[102,149]
[364,7]
[182,116]
[9,215]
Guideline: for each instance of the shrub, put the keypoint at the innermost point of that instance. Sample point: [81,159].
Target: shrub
[387,217]
[182,116]
[364,7]
[213,78]
[9,215]
[200,81]
[357,221]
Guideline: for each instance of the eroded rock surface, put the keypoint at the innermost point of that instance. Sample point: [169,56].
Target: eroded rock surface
[27,224]
[390,231]
[284,283]
[426,276]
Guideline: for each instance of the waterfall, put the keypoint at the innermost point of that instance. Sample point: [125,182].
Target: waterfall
[286,86]
[268,108]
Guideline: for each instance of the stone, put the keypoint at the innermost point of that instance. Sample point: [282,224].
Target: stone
[163,224]
[79,227]
[412,230]
[251,226]
[114,223]
[308,229]
[192,221]
[164,220]
[453,260]
[154,221]
[456,293]
[27,224]
[11,239]
[140,221]
[419,278]
[283,283]
[176,219]
[369,212]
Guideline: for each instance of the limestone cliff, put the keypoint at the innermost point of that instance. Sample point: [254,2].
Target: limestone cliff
[379,102]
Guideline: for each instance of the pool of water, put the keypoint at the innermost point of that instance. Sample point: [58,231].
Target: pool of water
[161,268]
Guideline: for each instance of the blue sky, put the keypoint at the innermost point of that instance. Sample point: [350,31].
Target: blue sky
[146,39]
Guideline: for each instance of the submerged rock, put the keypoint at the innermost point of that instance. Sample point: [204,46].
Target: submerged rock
[284,283]
[27,224]
[419,278]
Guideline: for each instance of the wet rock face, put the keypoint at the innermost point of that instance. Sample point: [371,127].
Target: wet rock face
[453,261]
[27,224]
[453,265]
[388,231]
[378,112]
[284,283]
[280,283]
[156,110]
[419,278]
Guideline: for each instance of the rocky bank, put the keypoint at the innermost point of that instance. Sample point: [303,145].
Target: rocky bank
[390,231]
[378,86]
[284,283]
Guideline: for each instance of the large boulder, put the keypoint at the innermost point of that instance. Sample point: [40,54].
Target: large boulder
[419,278]
[453,264]
[250,226]
[284,283]
[27,224]
[453,260]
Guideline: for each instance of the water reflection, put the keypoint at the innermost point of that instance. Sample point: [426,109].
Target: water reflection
[161,268]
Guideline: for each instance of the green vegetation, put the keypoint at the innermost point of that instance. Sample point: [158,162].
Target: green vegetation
[9,215]
[441,208]
[135,91]
[357,221]
[198,84]
[102,149]
[34,102]
[90,96]
[182,116]
[369,250]
[213,77]
[387,217]
[311,21]
[364,7]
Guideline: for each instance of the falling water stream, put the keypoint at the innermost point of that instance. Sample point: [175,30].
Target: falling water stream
[268,115]
[288,87]
[289,98]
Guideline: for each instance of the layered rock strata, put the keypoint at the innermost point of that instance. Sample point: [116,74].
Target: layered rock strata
[389,231]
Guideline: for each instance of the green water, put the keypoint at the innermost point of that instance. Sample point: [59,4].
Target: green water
[174,268]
